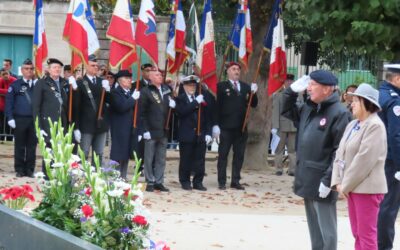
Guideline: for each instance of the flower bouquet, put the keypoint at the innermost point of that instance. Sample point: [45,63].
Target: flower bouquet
[16,197]
[90,202]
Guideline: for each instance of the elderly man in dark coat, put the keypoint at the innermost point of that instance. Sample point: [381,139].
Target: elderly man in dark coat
[321,122]
[122,103]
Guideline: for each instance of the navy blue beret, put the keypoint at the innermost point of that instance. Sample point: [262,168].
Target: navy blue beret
[123,73]
[324,77]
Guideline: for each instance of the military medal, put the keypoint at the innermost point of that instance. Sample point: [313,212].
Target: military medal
[52,88]
[228,92]
[156,97]
[396,110]
[322,122]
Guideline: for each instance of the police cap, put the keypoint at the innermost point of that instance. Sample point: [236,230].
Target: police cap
[92,58]
[27,62]
[393,67]
[190,79]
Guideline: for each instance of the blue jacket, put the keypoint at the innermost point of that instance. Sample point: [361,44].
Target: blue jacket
[17,103]
[389,99]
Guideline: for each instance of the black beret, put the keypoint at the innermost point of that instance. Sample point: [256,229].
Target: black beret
[324,77]
[54,60]
[190,79]
[67,67]
[289,77]
[92,58]
[146,65]
[230,64]
[123,73]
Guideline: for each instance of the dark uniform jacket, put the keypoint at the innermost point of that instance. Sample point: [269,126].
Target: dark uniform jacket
[319,133]
[50,102]
[154,110]
[19,100]
[188,118]
[231,106]
[389,99]
[121,119]
[139,124]
[85,115]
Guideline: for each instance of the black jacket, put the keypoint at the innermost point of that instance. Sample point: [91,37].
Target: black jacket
[154,110]
[231,106]
[188,118]
[320,129]
[85,116]
[49,102]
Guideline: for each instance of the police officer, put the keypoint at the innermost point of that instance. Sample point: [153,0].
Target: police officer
[19,116]
[122,103]
[50,100]
[90,126]
[389,99]
[192,145]
[232,99]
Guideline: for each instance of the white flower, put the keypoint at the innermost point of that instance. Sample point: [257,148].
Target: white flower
[75,158]
[93,220]
[115,192]
[39,175]
[146,243]
[121,185]
[57,165]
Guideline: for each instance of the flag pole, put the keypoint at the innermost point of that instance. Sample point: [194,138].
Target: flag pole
[246,117]
[199,113]
[173,95]
[137,86]
[224,60]
[70,104]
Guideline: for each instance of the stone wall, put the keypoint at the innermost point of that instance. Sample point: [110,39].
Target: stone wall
[18,17]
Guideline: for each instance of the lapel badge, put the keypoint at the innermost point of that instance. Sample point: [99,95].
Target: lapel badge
[322,122]
[52,88]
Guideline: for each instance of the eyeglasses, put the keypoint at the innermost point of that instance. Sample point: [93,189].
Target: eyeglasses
[28,68]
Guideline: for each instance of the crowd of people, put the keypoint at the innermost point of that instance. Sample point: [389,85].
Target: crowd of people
[338,145]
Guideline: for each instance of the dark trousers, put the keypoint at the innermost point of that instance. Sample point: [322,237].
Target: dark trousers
[24,146]
[388,209]
[229,138]
[192,156]
[138,147]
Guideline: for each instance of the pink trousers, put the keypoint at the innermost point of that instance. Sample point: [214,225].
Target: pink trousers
[363,214]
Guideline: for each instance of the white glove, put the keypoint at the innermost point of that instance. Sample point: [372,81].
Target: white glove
[77,135]
[43,133]
[323,190]
[11,123]
[72,82]
[147,136]
[106,85]
[136,94]
[208,139]
[199,99]
[139,138]
[254,87]
[274,131]
[172,103]
[396,175]
[301,84]
[216,131]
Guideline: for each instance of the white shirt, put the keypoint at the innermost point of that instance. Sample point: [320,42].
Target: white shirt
[26,80]
[233,84]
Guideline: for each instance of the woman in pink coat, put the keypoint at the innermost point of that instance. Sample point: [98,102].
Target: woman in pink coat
[358,169]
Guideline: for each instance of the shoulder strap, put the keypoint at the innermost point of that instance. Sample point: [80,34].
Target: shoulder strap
[89,92]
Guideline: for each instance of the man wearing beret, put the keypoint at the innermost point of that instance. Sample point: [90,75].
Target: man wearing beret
[321,122]
[389,99]
[285,129]
[122,103]
[155,102]
[19,116]
[192,145]
[232,98]
[91,126]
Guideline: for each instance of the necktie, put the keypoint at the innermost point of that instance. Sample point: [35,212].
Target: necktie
[94,80]
[235,86]
[191,98]
[29,83]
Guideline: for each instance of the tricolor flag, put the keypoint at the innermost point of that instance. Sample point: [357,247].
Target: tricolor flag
[39,39]
[274,41]
[206,61]
[176,46]
[80,32]
[192,33]
[146,36]
[241,38]
[121,32]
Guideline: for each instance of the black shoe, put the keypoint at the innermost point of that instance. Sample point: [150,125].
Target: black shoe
[279,173]
[19,174]
[222,187]
[29,174]
[290,173]
[160,187]
[150,188]
[200,187]
[237,186]
[186,187]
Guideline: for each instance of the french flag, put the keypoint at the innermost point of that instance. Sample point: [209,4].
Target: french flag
[274,41]
[39,39]
[121,32]
[206,60]
[146,36]
[176,46]
[80,32]
[241,37]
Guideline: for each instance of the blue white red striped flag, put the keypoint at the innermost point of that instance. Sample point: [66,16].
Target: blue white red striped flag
[39,40]
[146,36]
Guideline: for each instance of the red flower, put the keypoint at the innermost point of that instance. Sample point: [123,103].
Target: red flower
[166,248]
[27,188]
[30,197]
[15,194]
[87,210]
[139,220]
[126,192]
[75,165]
[88,191]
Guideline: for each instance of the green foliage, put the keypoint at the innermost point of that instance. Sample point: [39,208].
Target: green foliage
[363,27]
